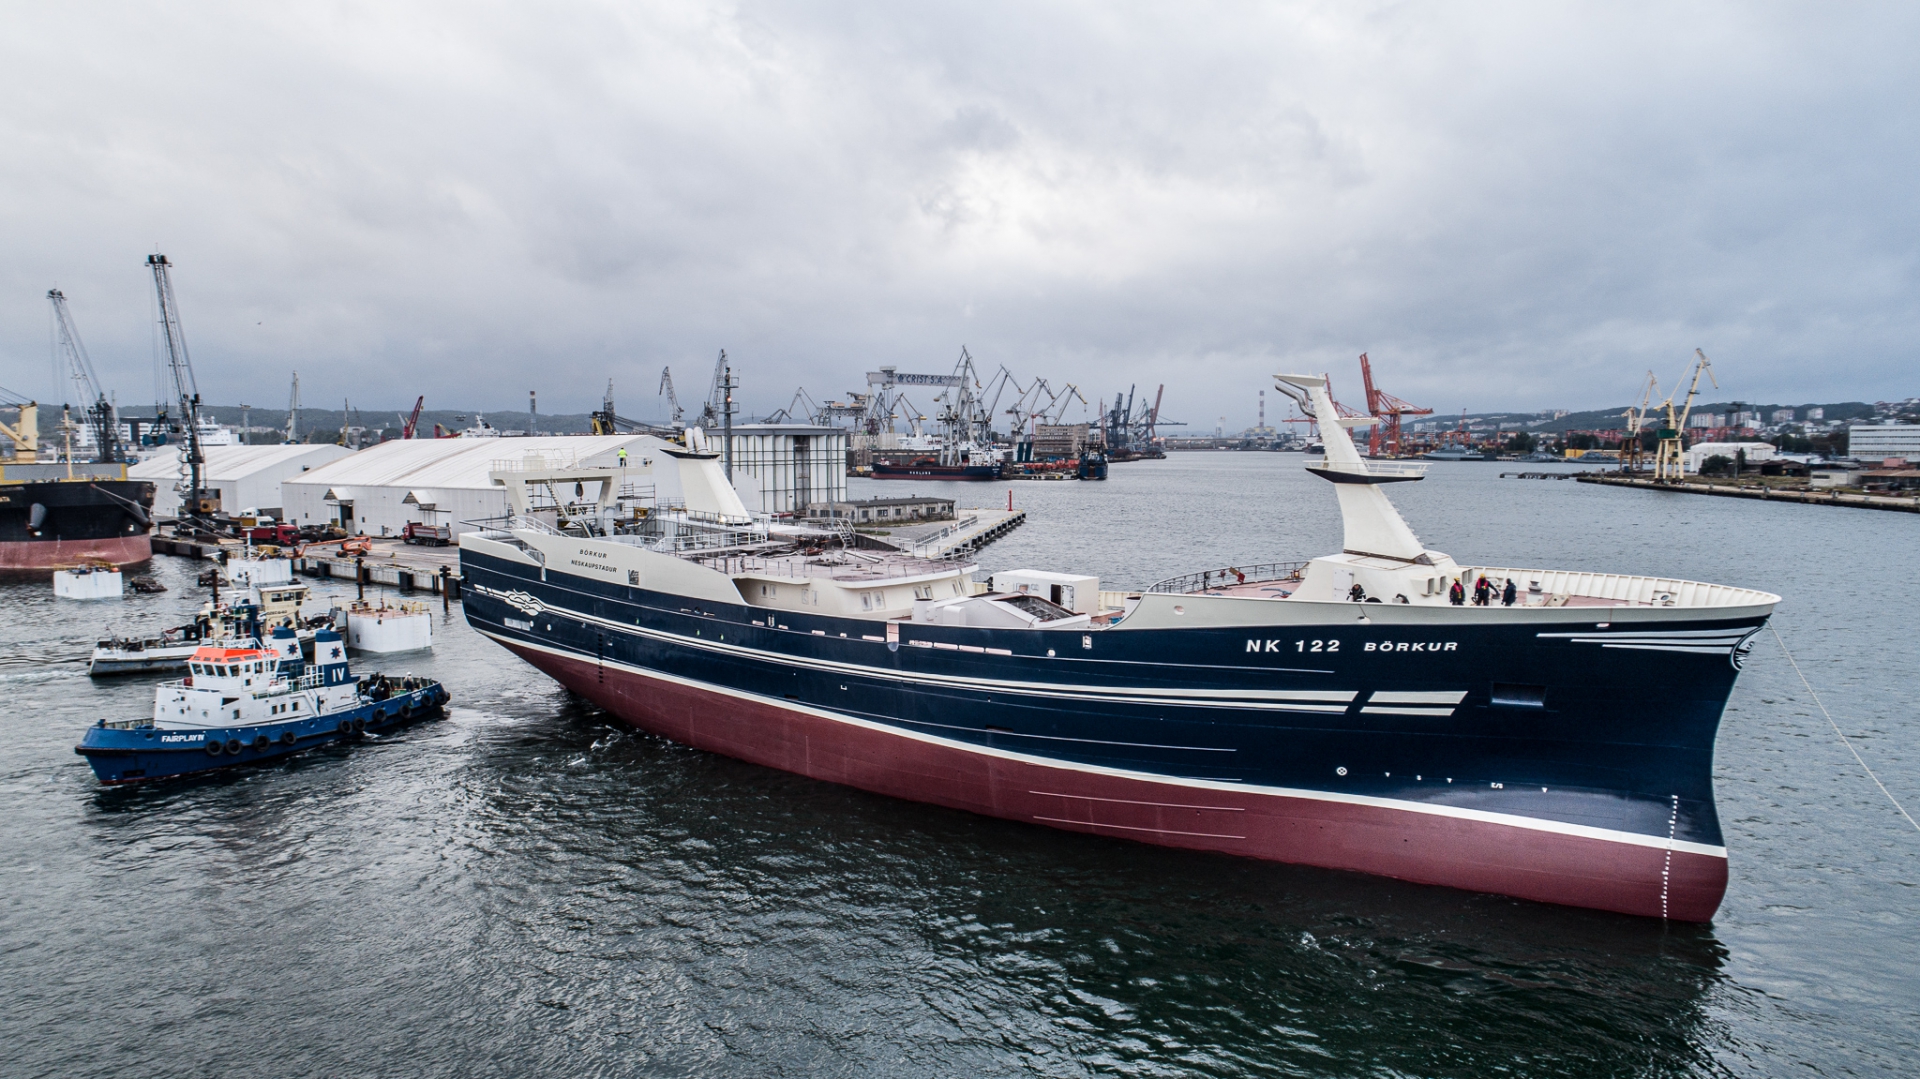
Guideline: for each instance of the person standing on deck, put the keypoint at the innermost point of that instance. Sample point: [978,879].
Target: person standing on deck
[1507,596]
[1482,591]
[1457,595]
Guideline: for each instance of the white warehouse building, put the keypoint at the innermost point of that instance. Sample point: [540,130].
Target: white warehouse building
[445,481]
[248,477]
[1756,452]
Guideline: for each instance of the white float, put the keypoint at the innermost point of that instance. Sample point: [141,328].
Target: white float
[259,572]
[87,582]
[386,627]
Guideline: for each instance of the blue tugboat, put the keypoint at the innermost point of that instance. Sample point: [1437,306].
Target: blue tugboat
[244,703]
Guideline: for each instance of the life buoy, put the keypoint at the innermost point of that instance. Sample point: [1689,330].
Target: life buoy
[288,738]
[233,745]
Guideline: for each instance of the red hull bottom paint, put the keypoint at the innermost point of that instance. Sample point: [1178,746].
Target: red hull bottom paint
[45,556]
[1426,848]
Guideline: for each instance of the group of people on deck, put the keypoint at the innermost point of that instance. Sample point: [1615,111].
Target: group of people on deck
[1483,593]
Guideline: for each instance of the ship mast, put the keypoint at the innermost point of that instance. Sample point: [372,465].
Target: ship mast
[195,502]
[1373,527]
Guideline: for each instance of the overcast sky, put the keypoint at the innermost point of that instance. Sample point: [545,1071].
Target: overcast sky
[1508,205]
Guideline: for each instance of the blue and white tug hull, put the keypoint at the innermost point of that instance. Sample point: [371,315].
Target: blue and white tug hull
[131,754]
[246,702]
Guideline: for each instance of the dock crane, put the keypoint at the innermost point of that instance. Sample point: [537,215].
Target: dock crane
[97,409]
[1636,417]
[1387,409]
[1670,458]
[408,423]
[605,421]
[196,499]
[719,404]
[673,399]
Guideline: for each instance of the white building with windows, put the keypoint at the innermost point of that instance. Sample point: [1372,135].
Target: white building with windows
[1877,442]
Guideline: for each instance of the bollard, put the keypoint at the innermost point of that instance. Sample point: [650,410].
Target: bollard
[360,576]
[446,601]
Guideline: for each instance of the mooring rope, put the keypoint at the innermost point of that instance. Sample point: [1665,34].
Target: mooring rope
[1836,729]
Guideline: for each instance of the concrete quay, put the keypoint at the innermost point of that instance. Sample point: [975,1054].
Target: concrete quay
[1898,503]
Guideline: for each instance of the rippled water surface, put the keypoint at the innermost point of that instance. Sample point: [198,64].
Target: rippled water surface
[523,888]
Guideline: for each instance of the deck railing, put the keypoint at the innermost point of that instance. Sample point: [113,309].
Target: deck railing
[1231,576]
[1394,469]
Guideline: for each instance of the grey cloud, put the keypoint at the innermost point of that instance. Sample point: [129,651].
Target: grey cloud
[1507,205]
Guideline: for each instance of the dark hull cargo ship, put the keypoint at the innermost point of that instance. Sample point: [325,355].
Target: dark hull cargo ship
[1342,712]
[49,521]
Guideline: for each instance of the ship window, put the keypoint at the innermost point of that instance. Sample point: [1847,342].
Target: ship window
[1511,695]
[924,591]
[866,601]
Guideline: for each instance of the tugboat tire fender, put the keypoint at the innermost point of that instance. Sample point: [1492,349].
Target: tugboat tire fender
[261,742]
[379,716]
[346,726]
[233,745]
[359,725]
[288,738]
[214,748]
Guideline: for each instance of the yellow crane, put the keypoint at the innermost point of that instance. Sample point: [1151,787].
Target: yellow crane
[1670,459]
[1636,417]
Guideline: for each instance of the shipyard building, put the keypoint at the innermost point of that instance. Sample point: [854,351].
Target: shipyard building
[1877,442]
[784,468]
[448,482]
[382,489]
[248,477]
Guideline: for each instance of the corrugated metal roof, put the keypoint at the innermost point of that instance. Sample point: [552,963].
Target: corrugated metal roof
[459,463]
[226,464]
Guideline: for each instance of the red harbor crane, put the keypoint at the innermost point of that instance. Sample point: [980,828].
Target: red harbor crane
[1388,409]
[408,423]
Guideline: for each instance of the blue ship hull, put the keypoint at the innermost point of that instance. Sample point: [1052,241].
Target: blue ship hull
[144,753]
[1573,763]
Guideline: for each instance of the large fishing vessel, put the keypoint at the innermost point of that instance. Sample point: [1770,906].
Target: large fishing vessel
[1551,741]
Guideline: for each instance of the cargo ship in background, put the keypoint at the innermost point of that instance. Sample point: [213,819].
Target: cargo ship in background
[66,514]
[932,468]
[1552,741]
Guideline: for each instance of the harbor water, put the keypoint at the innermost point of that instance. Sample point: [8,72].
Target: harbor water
[524,888]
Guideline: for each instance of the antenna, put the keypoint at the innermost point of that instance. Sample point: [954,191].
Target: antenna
[293,410]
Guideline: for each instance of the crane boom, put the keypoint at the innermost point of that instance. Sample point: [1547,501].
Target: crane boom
[408,423]
[1670,462]
[98,410]
[196,499]
[666,387]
